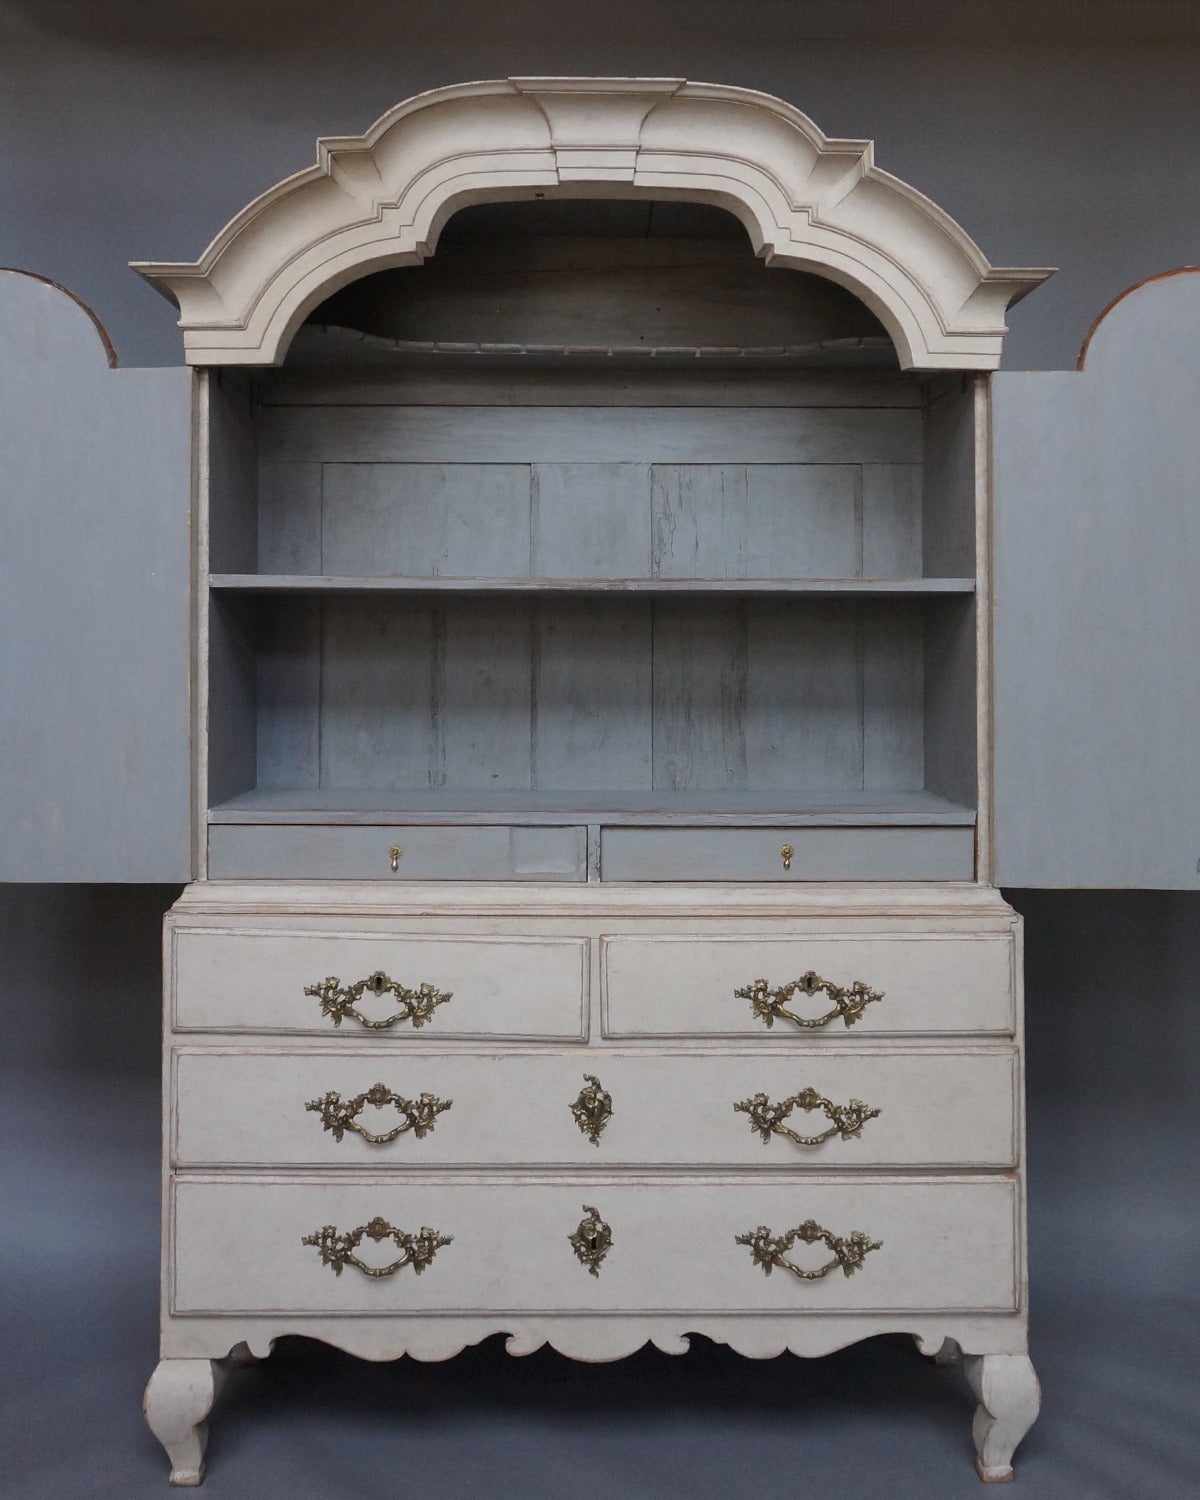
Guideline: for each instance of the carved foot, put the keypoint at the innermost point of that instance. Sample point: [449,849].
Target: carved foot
[1009,1398]
[177,1400]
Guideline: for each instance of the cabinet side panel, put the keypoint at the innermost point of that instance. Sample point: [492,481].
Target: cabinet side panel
[1097,615]
[94,602]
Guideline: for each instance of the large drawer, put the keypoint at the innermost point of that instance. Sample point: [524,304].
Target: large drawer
[687,986]
[324,852]
[503,987]
[816,854]
[237,1245]
[935,1109]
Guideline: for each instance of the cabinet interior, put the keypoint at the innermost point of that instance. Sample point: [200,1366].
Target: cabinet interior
[591,515]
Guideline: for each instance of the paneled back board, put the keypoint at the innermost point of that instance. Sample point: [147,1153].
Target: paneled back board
[95,473]
[1097,605]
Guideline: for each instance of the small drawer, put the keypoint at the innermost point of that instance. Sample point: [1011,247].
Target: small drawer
[688,986]
[501,987]
[247,1245]
[783,854]
[335,1107]
[314,851]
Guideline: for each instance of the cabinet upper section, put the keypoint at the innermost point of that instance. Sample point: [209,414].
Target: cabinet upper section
[380,200]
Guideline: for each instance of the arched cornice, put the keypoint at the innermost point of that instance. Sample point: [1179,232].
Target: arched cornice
[380,200]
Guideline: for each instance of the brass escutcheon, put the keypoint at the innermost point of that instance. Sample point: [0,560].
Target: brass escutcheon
[593,1108]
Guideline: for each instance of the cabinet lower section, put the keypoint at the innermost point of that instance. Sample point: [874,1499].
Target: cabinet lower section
[403,1117]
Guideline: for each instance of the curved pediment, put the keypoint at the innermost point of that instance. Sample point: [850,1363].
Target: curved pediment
[380,200]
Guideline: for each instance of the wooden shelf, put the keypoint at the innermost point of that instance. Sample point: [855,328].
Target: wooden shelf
[320,583]
[339,805]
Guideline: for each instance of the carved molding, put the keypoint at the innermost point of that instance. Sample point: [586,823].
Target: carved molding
[380,200]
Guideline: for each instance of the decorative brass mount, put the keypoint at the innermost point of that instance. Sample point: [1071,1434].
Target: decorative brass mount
[769,1251]
[593,1108]
[338,1000]
[785,854]
[849,1002]
[395,854]
[767,1118]
[338,1115]
[592,1241]
[337,1250]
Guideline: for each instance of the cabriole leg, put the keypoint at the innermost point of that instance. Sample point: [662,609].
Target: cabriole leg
[1009,1398]
[178,1399]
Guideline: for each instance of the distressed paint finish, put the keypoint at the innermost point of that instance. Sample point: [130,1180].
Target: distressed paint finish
[1097,608]
[94,602]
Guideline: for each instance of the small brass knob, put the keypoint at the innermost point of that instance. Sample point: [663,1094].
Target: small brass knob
[785,854]
[394,854]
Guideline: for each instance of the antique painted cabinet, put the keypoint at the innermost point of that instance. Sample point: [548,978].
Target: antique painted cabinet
[594,631]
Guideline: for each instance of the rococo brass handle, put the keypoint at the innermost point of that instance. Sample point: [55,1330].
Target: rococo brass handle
[339,1001]
[591,1241]
[847,1120]
[769,1251]
[848,1002]
[593,1108]
[338,1115]
[337,1250]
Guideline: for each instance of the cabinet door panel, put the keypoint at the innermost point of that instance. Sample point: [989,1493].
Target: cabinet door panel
[1097,609]
[94,601]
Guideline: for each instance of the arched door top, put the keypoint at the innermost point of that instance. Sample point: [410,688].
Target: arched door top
[380,200]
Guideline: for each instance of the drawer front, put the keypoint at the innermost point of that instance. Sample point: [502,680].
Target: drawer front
[816,854]
[926,1109]
[498,987]
[680,986]
[320,852]
[238,1246]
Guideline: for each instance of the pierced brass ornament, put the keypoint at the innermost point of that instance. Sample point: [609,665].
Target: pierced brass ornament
[338,1115]
[770,1251]
[339,1001]
[847,1120]
[592,1241]
[337,1250]
[593,1108]
[849,1002]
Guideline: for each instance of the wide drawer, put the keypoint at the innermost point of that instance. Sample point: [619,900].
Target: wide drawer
[687,986]
[757,854]
[238,1245]
[323,852]
[498,987]
[935,1109]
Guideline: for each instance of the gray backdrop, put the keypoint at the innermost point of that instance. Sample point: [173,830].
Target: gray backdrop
[1058,135]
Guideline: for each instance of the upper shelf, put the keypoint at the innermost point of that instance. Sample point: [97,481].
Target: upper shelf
[320,583]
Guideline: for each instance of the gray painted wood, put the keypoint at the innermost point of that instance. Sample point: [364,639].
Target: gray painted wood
[892,521]
[588,434]
[951,763]
[893,698]
[453,518]
[364,853]
[1097,610]
[289,518]
[818,853]
[94,602]
[806,807]
[232,478]
[740,520]
[482,691]
[322,583]
[447,380]
[949,480]
[237,640]
[592,679]
[590,521]
[288,684]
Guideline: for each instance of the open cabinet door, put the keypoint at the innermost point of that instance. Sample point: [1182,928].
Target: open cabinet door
[94,601]
[1097,605]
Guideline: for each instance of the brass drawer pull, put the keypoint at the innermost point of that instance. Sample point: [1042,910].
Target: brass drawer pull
[847,1120]
[337,1250]
[395,854]
[339,1001]
[849,1002]
[769,1251]
[593,1108]
[591,1241]
[785,854]
[338,1115]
